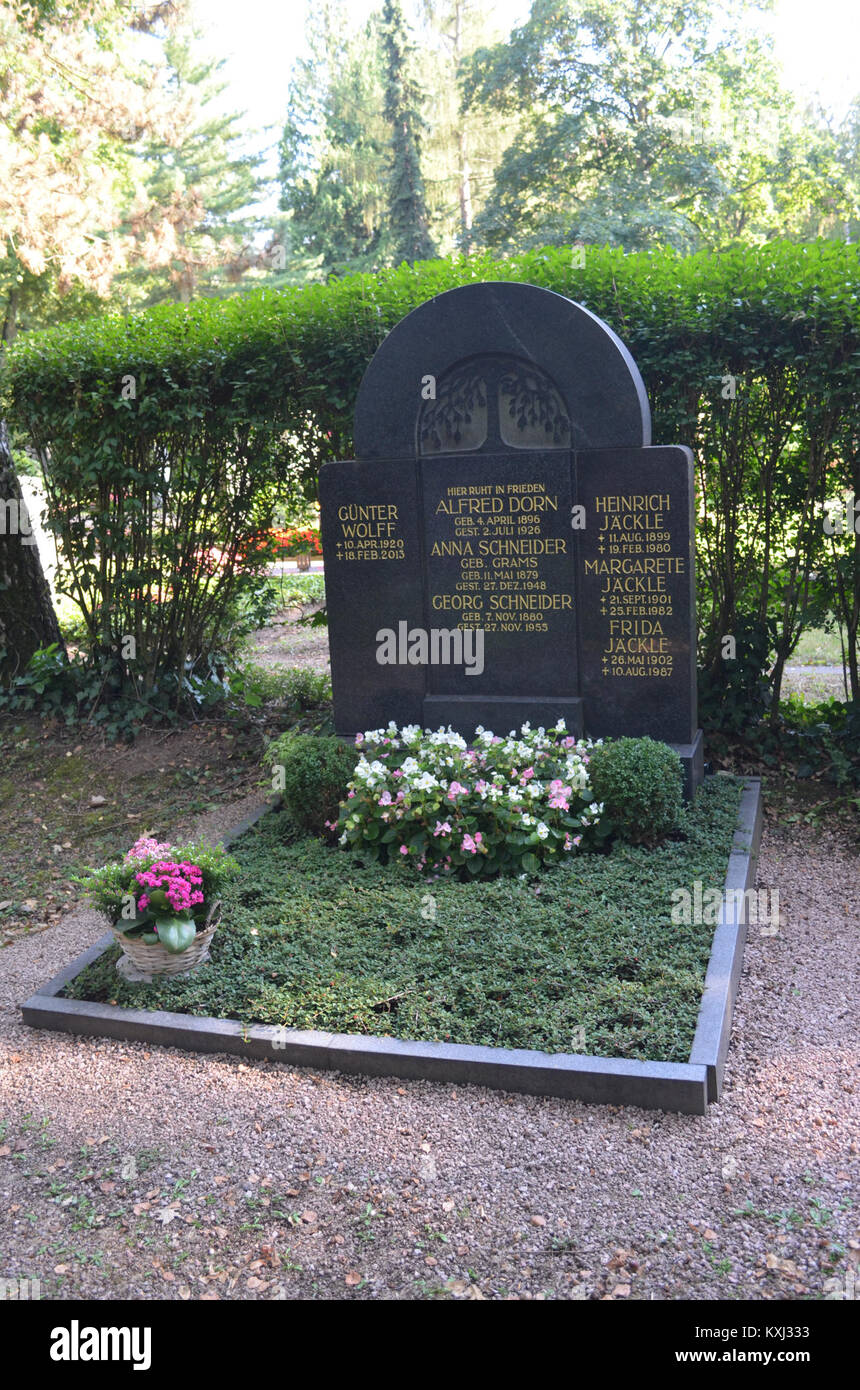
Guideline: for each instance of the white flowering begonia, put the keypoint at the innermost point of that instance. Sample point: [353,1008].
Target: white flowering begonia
[498,778]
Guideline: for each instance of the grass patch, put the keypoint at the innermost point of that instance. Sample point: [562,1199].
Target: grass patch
[585,958]
[816,647]
[292,589]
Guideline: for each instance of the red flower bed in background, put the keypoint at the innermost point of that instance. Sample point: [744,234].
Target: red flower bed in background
[287,541]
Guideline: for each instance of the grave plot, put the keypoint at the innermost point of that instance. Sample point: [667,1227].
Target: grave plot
[507,551]
[335,939]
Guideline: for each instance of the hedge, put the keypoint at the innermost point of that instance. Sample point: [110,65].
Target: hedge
[234,397]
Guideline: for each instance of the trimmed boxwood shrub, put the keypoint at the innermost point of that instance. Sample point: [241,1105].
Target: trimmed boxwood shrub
[639,782]
[162,434]
[312,773]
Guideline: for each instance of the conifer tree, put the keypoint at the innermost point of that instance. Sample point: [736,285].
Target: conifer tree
[333,150]
[408,215]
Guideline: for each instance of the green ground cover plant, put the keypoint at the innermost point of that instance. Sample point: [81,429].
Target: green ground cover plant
[580,958]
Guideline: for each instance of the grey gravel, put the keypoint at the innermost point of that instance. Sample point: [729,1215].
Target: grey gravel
[129,1172]
[816,682]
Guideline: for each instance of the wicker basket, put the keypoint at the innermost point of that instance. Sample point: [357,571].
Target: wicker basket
[149,959]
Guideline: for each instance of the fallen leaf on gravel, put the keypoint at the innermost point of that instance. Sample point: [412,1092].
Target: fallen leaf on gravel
[457,1287]
[782,1266]
[353,1278]
[621,1290]
[538,1220]
[60,1269]
[474,1293]
[309,1217]
[107,1186]
[140,1207]
[184,1293]
[709,1234]
[448,1205]
[254,1284]
[165,1216]
[619,1258]
[4,1151]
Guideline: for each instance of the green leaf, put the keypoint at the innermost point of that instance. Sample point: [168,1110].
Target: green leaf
[175,933]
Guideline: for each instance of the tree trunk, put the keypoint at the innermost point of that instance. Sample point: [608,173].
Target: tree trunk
[465,172]
[465,190]
[27,617]
[10,318]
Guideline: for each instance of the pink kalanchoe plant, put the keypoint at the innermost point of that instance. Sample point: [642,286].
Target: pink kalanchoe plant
[159,892]
[180,883]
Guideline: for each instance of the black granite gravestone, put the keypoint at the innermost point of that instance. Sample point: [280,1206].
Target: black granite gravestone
[508,546]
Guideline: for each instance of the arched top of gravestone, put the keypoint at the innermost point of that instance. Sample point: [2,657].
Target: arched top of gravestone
[585,381]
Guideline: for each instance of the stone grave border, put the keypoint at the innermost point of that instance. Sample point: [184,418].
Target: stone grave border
[687,1087]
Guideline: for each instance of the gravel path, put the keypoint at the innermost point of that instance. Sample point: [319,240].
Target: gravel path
[283,644]
[133,1172]
[814,682]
